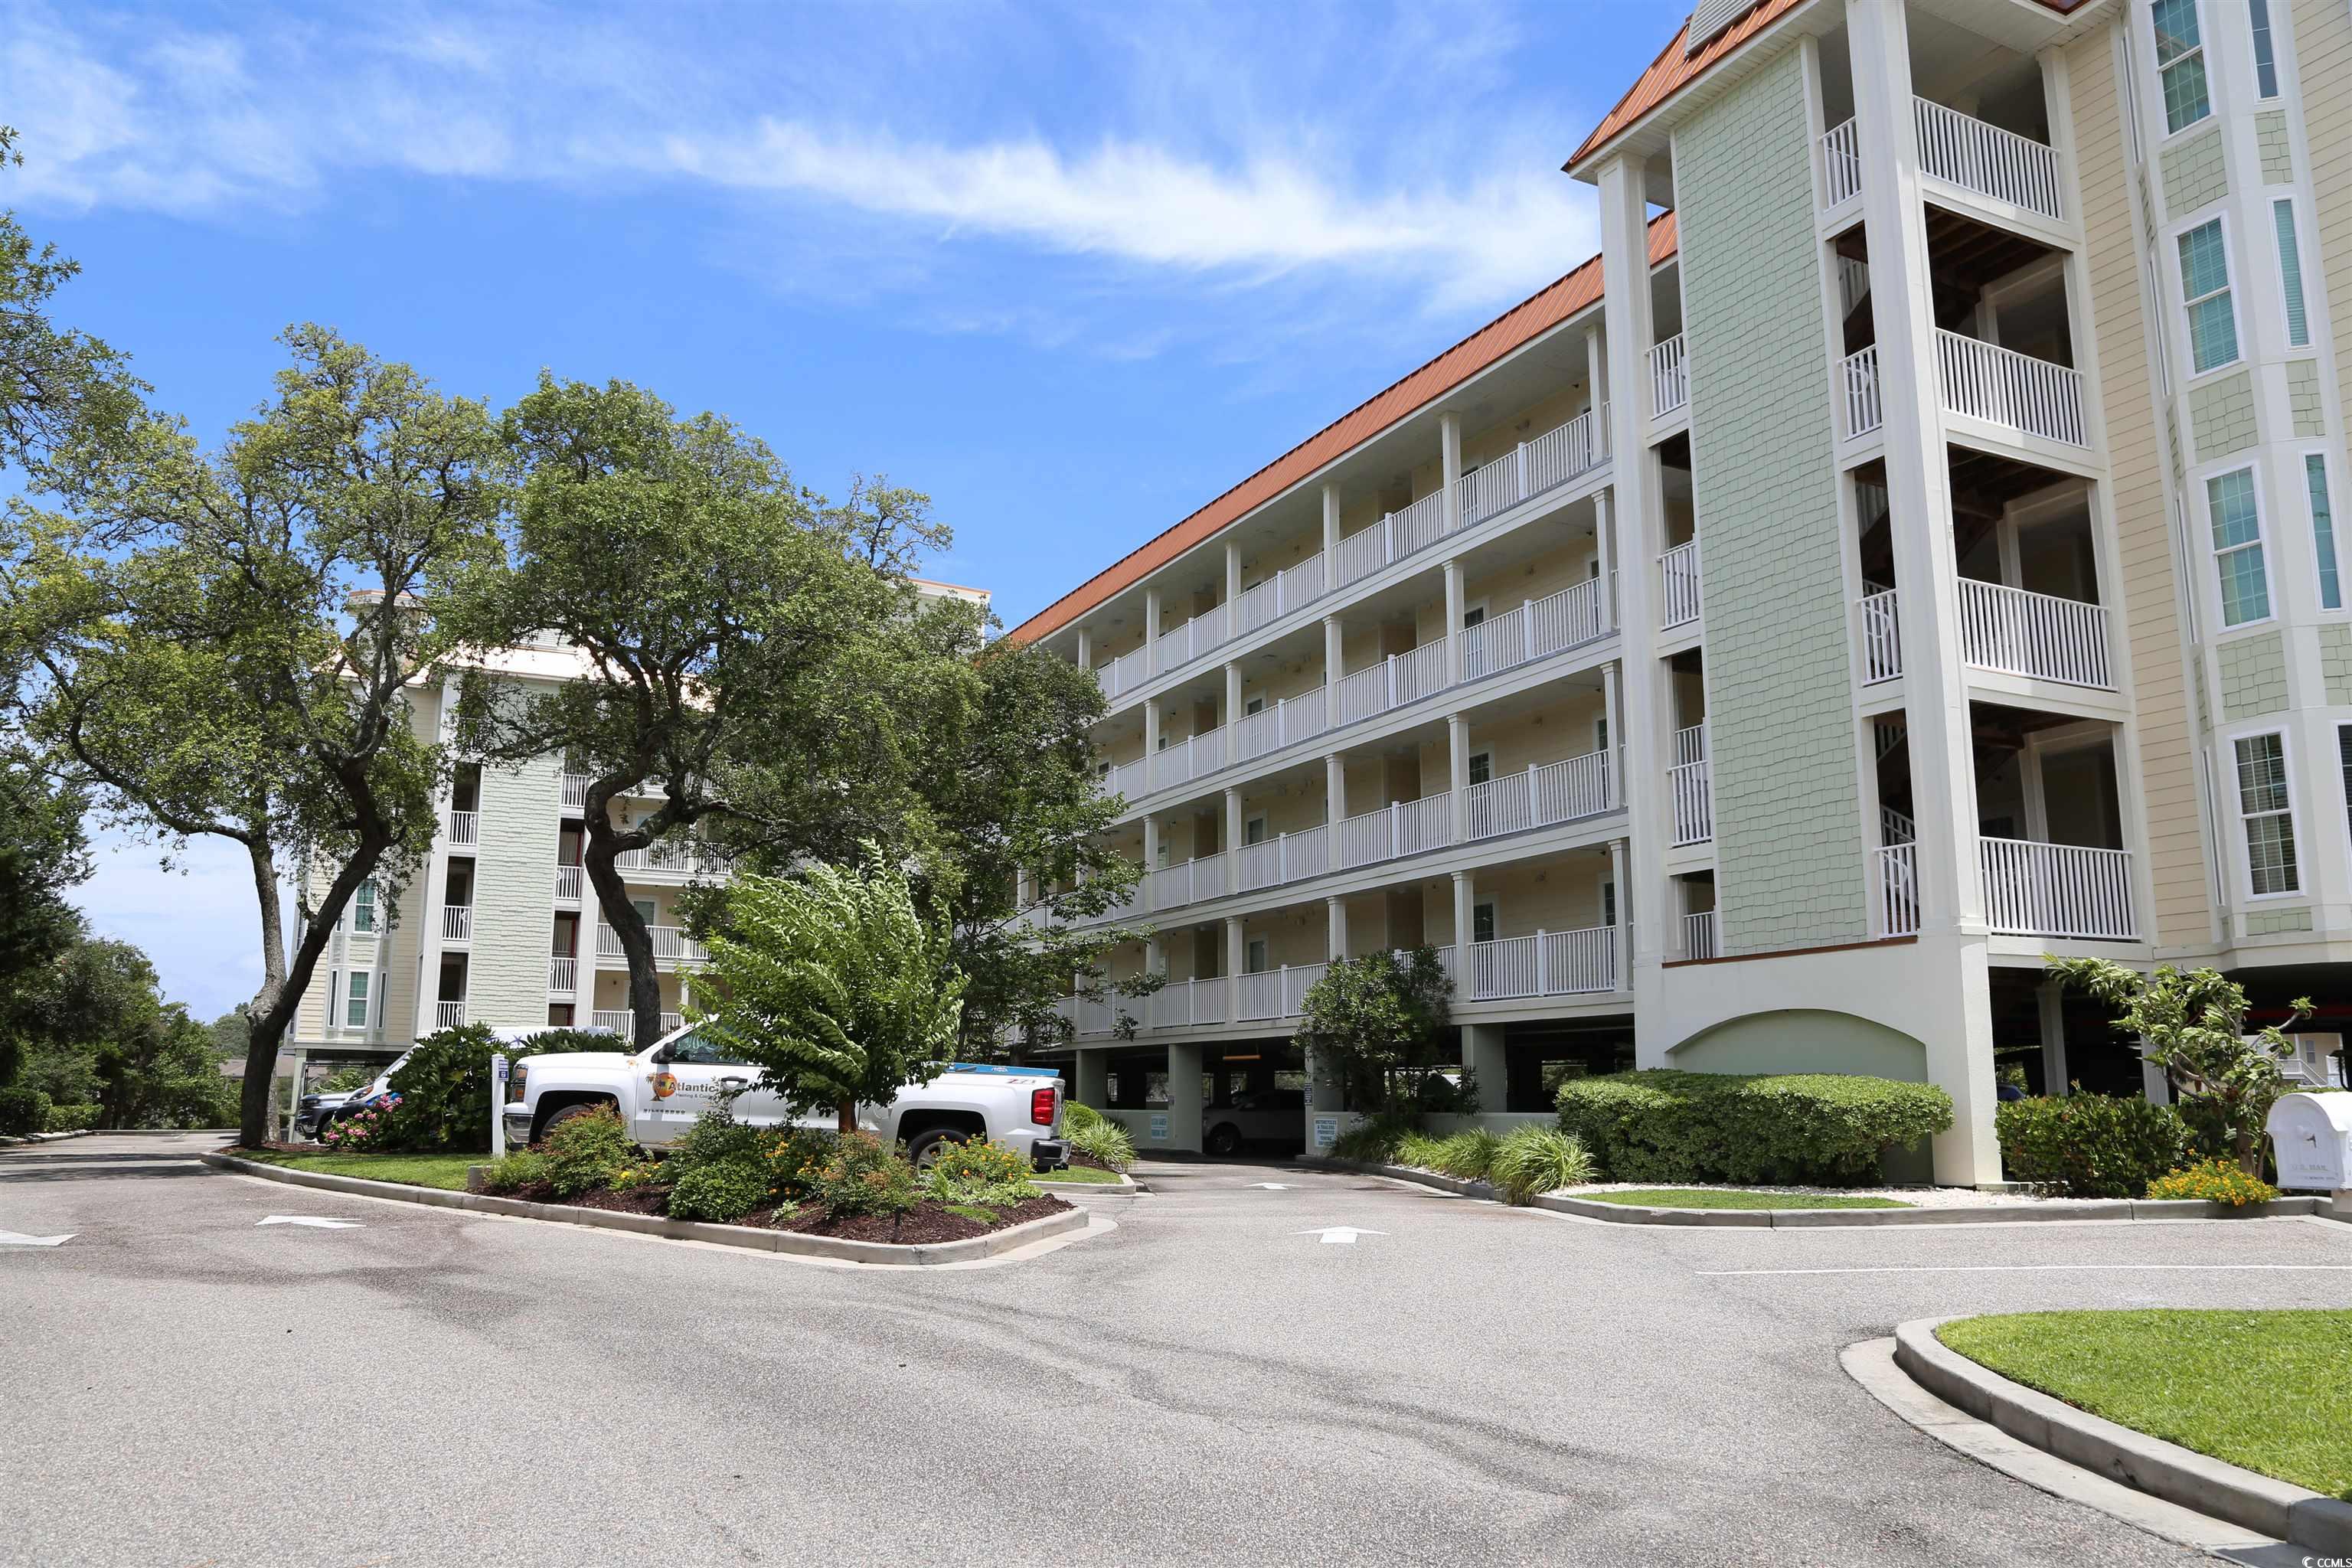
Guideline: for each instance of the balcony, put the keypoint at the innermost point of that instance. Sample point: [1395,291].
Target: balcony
[671,944]
[456,922]
[669,857]
[1179,1005]
[1400,678]
[1551,792]
[1285,857]
[1279,595]
[2006,631]
[563,976]
[1289,720]
[2018,392]
[1277,993]
[1699,934]
[620,1021]
[1669,377]
[1536,628]
[1187,882]
[1858,395]
[1882,637]
[1401,828]
[568,880]
[1690,784]
[575,791]
[1548,963]
[1548,460]
[2057,889]
[1895,890]
[1960,150]
[461,826]
[1678,586]
[447,1015]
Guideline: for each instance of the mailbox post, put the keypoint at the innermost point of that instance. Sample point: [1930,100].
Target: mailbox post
[2312,1134]
[497,1105]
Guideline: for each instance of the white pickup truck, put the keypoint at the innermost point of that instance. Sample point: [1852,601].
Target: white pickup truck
[660,1092]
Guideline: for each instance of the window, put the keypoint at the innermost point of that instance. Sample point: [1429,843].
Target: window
[2237,547]
[1600,735]
[1482,766]
[2181,63]
[700,1050]
[1254,705]
[363,907]
[1609,903]
[1253,830]
[2323,530]
[2298,324]
[1482,920]
[355,1007]
[2344,762]
[1254,962]
[2265,60]
[2205,290]
[2270,822]
[1473,617]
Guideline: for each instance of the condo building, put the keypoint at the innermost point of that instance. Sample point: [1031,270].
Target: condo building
[499,925]
[1907,551]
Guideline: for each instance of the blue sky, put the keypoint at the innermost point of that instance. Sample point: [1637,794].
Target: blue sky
[1073,270]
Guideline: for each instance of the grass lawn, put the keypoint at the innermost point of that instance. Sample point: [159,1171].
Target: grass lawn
[1728,1198]
[1080,1173]
[447,1170]
[2270,1391]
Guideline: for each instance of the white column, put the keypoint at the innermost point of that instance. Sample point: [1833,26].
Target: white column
[1449,467]
[1464,896]
[1150,738]
[1605,538]
[1151,843]
[1335,660]
[1233,712]
[1481,1053]
[1232,841]
[1958,1025]
[1183,1097]
[1151,629]
[1335,806]
[1093,1086]
[1330,530]
[1456,603]
[1596,377]
[1155,954]
[2050,997]
[1457,751]
[1625,915]
[1236,956]
[1612,681]
[1335,916]
[1086,649]
[1233,588]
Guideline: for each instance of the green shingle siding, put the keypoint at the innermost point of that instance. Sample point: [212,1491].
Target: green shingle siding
[2302,397]
[2222,416]
[2335,662]
[2269,922]
[2278,160]
[2253,677]
[2195,174]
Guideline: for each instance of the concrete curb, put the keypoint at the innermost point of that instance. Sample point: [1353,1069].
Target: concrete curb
[826,1246]
[1126,1186]
[2145,1464]
[1816,1219]
[13,1139]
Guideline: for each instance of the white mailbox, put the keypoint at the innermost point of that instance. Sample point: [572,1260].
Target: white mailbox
[2312,1136]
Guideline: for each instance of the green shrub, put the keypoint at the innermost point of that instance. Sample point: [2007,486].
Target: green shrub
[445,1087]
[1077,1118]
[514,1173]
[861,1175]
[715,1139]
[585,1152]
[794,1157]
[722,1191]
[2090,1145]
[1533,1159]
[1373,1140]
[1104,1141]
[1467,1155]
[2216,1181]
[1661,1125]
[980,1173]
[1418,1150]
[70,1117]
[23,1112]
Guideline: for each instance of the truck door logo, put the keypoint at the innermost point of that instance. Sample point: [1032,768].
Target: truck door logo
[665,1084]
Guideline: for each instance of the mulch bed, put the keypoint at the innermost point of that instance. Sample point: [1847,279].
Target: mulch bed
[926,1222]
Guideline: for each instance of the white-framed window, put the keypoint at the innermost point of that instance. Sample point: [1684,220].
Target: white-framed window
[2266,810]
[2205,295]
[2344,766]
[2234,511]
[1253,830]
[2323,529]
[1473,615]
[1482,766]
[1485,919]
[2258,18]
[1600,736]
[1252,706]
[1257,956]
[2181,63]
[355,1006]
[363,907]
[2290,256]
[1609,903]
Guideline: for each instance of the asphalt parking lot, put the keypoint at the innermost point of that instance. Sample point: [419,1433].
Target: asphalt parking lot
[1211,1382]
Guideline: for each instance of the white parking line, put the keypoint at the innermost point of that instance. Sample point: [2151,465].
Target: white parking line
[2037,1268]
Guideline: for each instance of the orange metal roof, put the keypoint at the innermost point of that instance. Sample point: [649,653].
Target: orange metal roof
[1495,340]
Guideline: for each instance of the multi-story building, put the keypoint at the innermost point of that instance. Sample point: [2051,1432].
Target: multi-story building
[499,926]
[1907,551]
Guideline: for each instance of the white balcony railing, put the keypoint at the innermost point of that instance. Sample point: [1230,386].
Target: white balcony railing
[1287,858]
[1269,600]
[1699,934]
[1403,827]
[1882,638]
[1553,792]
[1535,628]
[671,944]
[1669,377]
[2057,889]
[1858,392]
[620,1021]
[1678,586]
[1396,680]
[462,826]
[1531,467]
[563,975]
[1992,162]
[2038,634]
[575,791]
[1126,672]
[1895,890]
[1129,778]
[1395,536]
[456,922]
[1208,629]
[1186,883]
[1183,761]
[1548,963]
[1840,165]
[1691,785]
[448,1015]
[568,883]
[1181,1002]
[1290,718]
[678,857]
[2018,392]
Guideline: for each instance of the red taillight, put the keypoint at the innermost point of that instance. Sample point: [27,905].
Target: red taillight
[1041,1105]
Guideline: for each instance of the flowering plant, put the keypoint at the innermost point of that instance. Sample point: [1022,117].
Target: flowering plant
[359,1130]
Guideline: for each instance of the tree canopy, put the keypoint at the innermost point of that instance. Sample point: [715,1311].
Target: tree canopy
[1378,1021]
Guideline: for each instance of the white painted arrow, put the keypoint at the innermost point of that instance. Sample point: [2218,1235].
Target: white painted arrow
[1271,1186]
[11,1238]
[1339,1234]
[310,1220]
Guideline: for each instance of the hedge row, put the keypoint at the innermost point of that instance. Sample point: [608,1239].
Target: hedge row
[1661,1125]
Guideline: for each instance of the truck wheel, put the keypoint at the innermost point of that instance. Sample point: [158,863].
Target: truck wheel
[1224,1139]
[923,1152]
[548,1127]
